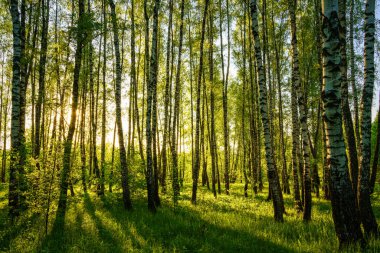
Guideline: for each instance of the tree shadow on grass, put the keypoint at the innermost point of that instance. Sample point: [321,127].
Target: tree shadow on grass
[183,229]
[57,239]
[104,234]
[9,230]
[80,230]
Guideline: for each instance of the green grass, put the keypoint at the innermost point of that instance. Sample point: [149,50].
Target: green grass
[226,224]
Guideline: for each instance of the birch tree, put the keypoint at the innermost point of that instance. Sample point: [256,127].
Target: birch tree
[65,174]
[274,183]
[15,161]
[122,152]
[300,95]
[196,166]
[366,213]
[346,220]
[175,183]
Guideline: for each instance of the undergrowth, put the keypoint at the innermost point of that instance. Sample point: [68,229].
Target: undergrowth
[226,224]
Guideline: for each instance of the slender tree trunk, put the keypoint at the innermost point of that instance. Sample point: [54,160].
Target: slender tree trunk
[131,121]
[353,71]
[155,137]
[191,91]
[82,138]
[152,83]
[303,114]
[167,98]
[347,224]
[16,165]
[366,213]
[284,172]
[274,184]
[204,147]
[225,93]
[65,173]
[136,84]
[253,118]
[100,173]
[23,83]
[41,80]
[314,152]
[321,128]
[33,77]
[146,64]
[257,118]
[122,153]
[175,184]
[347,119]
[195,172]
[58,79]
[243,138]
[212,135]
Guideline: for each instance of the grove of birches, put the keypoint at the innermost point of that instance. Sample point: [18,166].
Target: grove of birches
[189,126]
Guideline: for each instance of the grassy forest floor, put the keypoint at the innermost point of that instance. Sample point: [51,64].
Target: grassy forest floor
[226,224]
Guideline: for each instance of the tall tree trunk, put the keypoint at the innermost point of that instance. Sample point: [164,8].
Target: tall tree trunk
[274,184]
[58,80]
[225,93]
[259,141]
[134,80]
[303,114]
[212,135]
[100,175]
[41,80]
[122,153]
[353,71]
[174,147]
[136,84]
[195,172]
[23,84]
[191,92]
[347,224]
[32,69]
[151,86]
[146,63]
[284,171]
[320,128]
[65,173]
[347,119]
[366,213]
[243,138]
[155,136]
[16,165]
[82,138]
[204,147]
[253,115]
[167,98]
